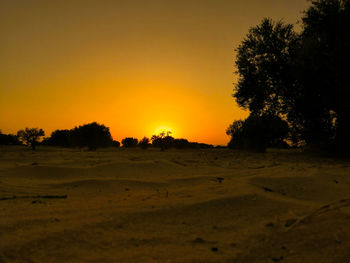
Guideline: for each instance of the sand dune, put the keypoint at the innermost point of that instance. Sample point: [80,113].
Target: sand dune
[132,205]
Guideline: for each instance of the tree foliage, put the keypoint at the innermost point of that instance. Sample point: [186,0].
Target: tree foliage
[264,67]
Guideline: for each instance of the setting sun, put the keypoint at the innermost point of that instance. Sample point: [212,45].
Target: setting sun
[163,129]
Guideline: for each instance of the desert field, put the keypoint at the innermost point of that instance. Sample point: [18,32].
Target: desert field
[134,205]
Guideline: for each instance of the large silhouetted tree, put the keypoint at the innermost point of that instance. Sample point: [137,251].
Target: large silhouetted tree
[322,103]
[30,136]
[304,77]
[264,68]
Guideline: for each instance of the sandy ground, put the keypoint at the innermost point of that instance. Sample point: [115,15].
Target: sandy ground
[133,205]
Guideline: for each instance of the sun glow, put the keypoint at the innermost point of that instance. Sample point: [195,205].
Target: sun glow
[163,129]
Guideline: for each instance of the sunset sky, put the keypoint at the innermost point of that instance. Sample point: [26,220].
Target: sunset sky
[133,65]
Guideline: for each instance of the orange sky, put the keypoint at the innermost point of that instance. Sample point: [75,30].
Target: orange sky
[133,65]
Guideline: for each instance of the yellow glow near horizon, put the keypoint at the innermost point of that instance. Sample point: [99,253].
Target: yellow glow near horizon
[164,129]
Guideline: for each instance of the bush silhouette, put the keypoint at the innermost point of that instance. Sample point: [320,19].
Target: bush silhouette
[129,142]
[144,143]
[196,145]
[9,139]
[116,144]
[60,138]
[163,140]
[258,132]
[92,135]
[30,136]
[181,144]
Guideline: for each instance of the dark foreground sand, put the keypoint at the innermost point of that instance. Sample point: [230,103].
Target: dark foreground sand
[117,205]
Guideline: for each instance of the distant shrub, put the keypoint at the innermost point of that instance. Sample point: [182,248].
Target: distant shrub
[185,144]
[92,135]
[59,138]
[258,132]
[30,136]
[220,147]
[196,145]
[116,144]
[181,144]
[9,139]
[129,142]
[163,141]
[144,143]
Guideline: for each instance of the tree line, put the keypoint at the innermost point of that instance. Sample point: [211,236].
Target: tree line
[296,85]
[93,136]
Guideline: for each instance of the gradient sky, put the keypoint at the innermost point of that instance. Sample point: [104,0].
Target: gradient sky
[132,65]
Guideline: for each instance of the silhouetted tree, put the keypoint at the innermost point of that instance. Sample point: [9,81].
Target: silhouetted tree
[258,132]
[264,63]
[322,104]
[144,143]
[92,135]
[303,78]
[30,136]
[129,142]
